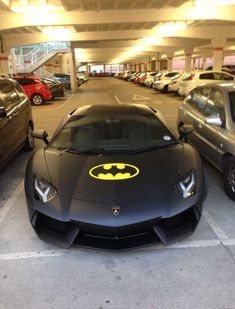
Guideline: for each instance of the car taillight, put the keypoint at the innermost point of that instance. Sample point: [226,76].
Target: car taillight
[191,76]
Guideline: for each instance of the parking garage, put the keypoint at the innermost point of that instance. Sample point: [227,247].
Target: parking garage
[108,37]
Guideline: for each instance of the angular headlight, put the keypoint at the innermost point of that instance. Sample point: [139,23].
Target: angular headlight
[187,185]
[44,190]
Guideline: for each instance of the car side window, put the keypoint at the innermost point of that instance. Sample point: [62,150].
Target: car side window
[207,76]
[25,81]
[225,76]
[198,100]
[9,94]
[215,104]
[20,91]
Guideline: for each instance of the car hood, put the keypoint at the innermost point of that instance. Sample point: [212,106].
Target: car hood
[107,178]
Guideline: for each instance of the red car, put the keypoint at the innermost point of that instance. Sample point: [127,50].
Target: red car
[37,91]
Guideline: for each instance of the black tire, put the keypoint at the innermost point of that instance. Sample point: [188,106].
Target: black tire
[229,177]
[165,89]
[29,142]
[37,99]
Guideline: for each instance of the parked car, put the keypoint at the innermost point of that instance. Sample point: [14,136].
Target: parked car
[150,79]
[82,77]
[196,78]
[211,110]
[163,81]
[57,87]
[37,91]
[127,74]
[86,186]
[16,122]
[138,77]
[65,79]
[175,83]
[145,76]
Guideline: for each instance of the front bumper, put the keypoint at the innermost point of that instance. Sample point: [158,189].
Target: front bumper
[67,233]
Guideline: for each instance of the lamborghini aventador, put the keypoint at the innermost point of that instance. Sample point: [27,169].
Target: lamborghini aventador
[114,177]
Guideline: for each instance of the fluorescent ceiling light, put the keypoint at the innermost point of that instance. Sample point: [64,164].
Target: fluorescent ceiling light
[213,3]
[61,33]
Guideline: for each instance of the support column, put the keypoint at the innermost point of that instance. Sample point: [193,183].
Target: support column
[218,53]
[64,63]
[72,69]
[218,58]
[204,63]
[169,63]
[4,64]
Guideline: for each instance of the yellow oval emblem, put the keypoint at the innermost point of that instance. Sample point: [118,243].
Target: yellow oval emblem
[114,171]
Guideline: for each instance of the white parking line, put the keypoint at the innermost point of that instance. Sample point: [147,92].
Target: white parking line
[10,202]
[214,226]
[31,254]
[116,98]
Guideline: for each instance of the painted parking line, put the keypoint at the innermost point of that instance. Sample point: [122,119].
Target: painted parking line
[60,252]
[31,254]
[116,98]
[11,201]
[214,226]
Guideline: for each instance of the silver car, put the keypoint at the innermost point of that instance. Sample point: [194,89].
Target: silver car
[211,110]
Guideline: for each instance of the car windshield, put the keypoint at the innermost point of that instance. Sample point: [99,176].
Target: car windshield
[119,133]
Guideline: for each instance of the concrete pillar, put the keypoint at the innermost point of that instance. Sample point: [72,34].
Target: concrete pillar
[188,62]
[204,67]
[4,64]
[64,63]
[142,67]
[158,64]
[218,58]
[73,69]
[169,63]
[218,53]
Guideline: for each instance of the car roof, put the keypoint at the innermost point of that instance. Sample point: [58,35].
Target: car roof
[223,85]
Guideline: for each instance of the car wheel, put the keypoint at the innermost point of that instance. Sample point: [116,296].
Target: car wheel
[29,142]
[165,89]
[229,177]
[37,99]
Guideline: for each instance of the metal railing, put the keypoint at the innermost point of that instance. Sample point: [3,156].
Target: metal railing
[25,57]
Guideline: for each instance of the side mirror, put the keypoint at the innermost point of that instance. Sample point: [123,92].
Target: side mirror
[41,134]
[185,130]
[214,120]
[3,112]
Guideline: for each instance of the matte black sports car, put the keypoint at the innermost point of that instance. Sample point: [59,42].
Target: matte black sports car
[114,176]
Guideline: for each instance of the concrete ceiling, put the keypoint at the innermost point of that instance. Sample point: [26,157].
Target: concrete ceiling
[109,30]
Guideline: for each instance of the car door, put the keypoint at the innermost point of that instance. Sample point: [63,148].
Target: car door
[5,144]
[9,125]
[214,135]
[193,112]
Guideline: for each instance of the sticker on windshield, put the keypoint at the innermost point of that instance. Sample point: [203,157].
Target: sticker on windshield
[166,137]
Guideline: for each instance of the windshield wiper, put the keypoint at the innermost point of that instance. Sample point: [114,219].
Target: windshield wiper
[151,147]
[84,151]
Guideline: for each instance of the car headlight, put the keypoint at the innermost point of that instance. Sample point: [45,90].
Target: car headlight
[44,190]
[187,185]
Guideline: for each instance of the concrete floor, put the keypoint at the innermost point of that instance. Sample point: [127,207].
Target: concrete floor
[197,273]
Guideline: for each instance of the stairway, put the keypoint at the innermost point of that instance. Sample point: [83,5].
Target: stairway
[27,59]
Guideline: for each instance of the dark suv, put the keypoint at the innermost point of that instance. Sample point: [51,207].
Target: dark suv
[16,124]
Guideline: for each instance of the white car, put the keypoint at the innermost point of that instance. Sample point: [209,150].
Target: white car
[163,82]
[150,79]
[197,78]
[175,83]
[83,77]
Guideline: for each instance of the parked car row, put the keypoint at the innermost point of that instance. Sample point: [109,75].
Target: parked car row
[176,82]
[209,107]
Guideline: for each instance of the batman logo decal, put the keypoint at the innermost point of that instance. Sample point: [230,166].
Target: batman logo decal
[114,171]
